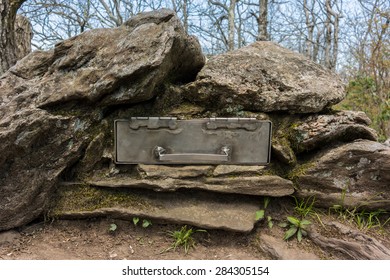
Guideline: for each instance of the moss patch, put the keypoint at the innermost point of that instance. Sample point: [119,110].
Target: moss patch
[284,127]
[87,198]
[299,171]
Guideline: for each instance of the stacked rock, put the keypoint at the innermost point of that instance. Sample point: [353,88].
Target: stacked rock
[58,108]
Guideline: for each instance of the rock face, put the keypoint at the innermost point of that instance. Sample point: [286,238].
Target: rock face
[36,147]
[315,131]
[115,66]
[57,110]
[266,77]
[353,175]
[40,139]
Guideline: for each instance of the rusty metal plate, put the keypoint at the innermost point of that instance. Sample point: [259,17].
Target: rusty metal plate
[164,140]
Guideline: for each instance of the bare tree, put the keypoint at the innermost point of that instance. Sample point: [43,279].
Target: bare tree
[231,17]
[310,23]
[263,21]
[331,35]
[181,7]
[56,20]
[228,9]
[8,53]
[23,36]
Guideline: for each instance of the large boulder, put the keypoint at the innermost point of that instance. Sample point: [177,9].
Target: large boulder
[353,175]
[52,104]
[265,77]
[115,66]
[36,147]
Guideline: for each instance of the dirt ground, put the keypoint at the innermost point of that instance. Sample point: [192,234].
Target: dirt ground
[92,239]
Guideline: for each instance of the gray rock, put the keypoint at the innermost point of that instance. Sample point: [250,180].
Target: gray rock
[278,249]
[9,237]
[175,172]
[316,131]
[51,103]
[350,243]
[93,154]
[114,66]
[205,210]
[226,170]
[265,77]
[282,151]
[36,148]
[268,185]
[260,185]
[353,175]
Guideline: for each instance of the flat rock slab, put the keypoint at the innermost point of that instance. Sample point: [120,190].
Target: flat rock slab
[278,249]
[185,171]
[227,170]
[193,171]
[201,209]
[267,185]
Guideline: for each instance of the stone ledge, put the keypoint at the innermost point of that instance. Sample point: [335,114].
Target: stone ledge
[267,185]
[201,209]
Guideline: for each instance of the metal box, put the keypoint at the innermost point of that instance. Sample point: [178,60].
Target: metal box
[164,140]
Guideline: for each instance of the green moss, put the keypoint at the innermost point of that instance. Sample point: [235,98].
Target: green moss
[186,111]
[299,171]
[284,127]
[88,198]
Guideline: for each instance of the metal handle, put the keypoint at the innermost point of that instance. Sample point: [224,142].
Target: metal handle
[192,157]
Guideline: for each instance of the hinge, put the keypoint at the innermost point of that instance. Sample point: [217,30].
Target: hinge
[232,123]
[153,122]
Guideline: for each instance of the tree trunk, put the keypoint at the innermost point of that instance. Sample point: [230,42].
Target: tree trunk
[231,17]
[8,52]
[335,22]
[263,21]
[23,36]
[332,35]
[310,30]
[185,15]
[328,37]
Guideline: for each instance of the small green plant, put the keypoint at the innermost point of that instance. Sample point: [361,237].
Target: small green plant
[145,222]
[363,219]
[304,207]
[297,227]
[339,208]
[183,238]
[260,214]
[112,228]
